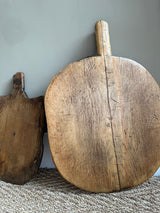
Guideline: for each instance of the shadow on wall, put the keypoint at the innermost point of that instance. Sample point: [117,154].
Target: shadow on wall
[47,161]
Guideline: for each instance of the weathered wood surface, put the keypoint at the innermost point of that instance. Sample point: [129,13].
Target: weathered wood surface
[22,123]
[103,116]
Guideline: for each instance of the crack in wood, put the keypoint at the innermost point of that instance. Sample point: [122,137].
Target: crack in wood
[109,107]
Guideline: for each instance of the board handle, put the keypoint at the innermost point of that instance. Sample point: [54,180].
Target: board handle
[103,39]
[18,81]
[19,85]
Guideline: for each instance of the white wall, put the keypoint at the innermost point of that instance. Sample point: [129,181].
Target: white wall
[40,37]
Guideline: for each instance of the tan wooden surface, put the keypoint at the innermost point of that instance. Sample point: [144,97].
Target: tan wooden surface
[103,117]
[22,123]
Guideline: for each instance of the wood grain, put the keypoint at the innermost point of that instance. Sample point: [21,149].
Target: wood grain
[103,117]
[22,123]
